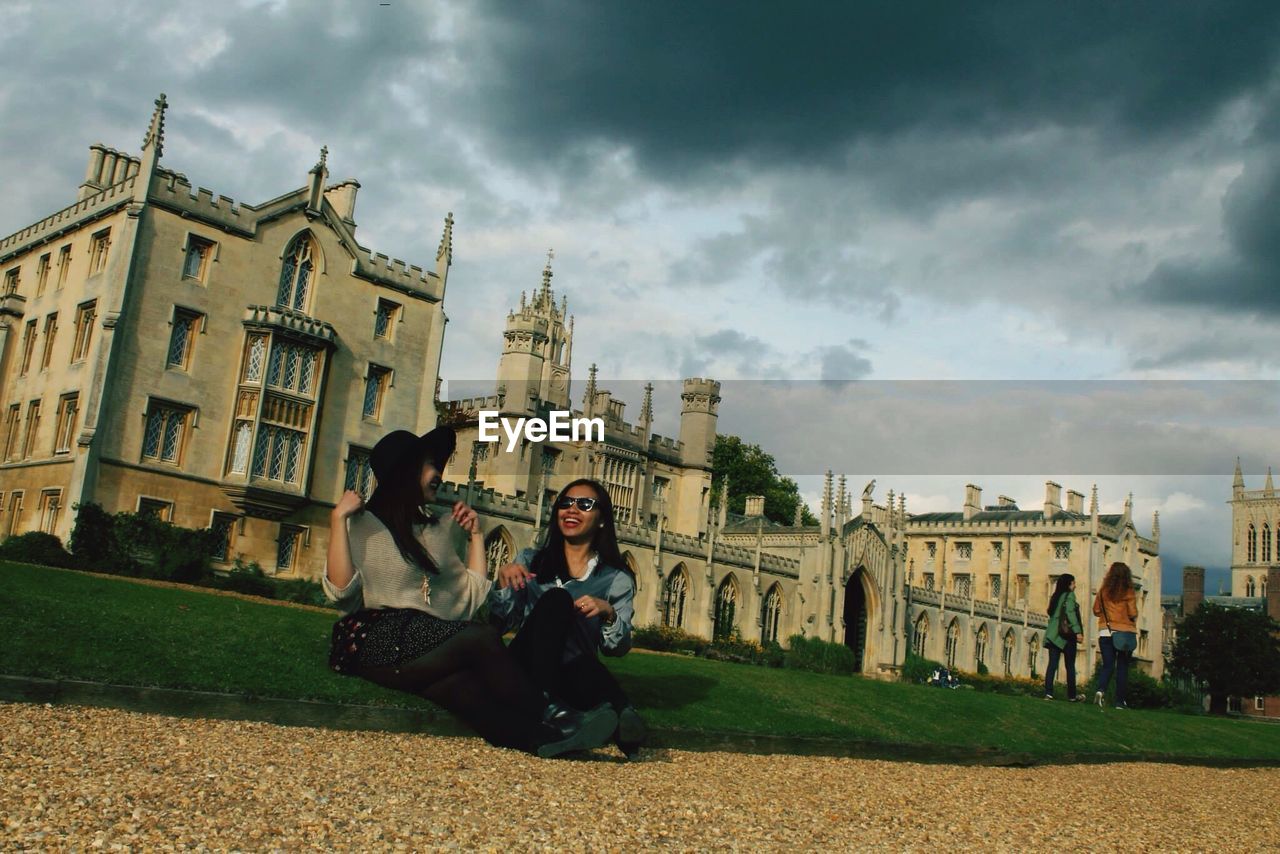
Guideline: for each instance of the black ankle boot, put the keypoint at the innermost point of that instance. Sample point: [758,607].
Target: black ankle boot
[631,733]
[565,729]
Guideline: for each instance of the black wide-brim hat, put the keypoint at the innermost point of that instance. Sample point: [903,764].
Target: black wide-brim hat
[401,448]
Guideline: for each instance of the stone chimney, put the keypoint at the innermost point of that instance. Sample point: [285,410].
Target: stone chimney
[972,500]
[1075,502]
[343,198]
[1004,502]
[1052,499]
[1192,589]
[1273,592]
[755,505]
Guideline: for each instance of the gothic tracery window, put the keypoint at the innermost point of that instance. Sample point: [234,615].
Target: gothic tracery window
[1249,587]
[726,607]
[1010,643]
[980,646]
[1266,543]
[920,635]
[1251,544]
[296,274]
[674,599]
[772,615]
[953,643]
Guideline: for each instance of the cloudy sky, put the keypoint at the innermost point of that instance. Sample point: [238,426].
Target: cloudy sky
[888,193]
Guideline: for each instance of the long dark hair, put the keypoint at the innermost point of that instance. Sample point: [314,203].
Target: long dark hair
[1063,586]
[1118,583]
[397,501]
[549,563]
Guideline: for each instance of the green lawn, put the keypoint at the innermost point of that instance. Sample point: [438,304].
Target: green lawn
[107,629]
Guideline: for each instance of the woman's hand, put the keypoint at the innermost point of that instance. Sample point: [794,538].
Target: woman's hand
[513,575]
[348,505]
[467,519]
[590,606]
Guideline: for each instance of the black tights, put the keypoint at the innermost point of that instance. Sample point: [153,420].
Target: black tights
[553,627]
[473,676]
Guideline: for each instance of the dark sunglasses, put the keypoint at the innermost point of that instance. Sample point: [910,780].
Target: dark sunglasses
[586,505]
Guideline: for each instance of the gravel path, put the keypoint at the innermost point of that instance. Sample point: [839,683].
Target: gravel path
[95,778]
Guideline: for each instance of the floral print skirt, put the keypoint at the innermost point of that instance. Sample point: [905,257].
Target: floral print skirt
[382,637]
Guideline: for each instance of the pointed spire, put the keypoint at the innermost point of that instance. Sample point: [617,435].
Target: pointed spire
[891,518]
[523,300]
[589,396]
[1093,502]
[1269,487]
[1155,526]
[646,408]
[825,520]
[798,518]
[154,138]
[544,296]
[318,174]
[724,501]
[445,251]
[1128,508]
[1239,481]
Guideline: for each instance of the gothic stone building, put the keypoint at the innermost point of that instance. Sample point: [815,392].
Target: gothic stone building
[218,364]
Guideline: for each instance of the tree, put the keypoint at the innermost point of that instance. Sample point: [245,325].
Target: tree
[751,471]
[1230,652]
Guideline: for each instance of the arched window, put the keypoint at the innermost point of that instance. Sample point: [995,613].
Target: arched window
[1033,653]
[920,635]
[1249,588]
[953,643]
[673,607]
[1266,543]
[241,441]
[980,646]
[1010,644]
[497,552]
[772,615]
[1264,587]
[1251,544]
[296,274]
[726,608]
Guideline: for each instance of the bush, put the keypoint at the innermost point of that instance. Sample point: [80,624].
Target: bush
[36,547]
[139,544]
[734,648]
[302,591]
[1010,686]
[917,670]
[667,639]
[247,578]
[1145,692]
[819,656]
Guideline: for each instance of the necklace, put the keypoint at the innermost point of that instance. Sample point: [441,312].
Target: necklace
[426,589]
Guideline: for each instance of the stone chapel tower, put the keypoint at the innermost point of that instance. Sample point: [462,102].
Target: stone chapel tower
[537,351]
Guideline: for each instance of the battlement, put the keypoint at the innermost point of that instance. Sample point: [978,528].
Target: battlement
[474,404]
[377,265]
[172,189]
[68,218]
[275,317]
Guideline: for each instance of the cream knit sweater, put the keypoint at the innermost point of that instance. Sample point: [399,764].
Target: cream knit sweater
[384,579]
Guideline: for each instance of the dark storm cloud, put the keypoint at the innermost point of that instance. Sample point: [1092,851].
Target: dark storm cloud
[696,85]
[1244,277]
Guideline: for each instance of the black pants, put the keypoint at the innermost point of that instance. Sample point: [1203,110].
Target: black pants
[556,647]
[474,676]
[1068,654]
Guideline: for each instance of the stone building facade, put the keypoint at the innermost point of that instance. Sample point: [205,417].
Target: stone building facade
[1255,513]
[166,350]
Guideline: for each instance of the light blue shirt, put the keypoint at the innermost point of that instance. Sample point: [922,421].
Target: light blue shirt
[510,607]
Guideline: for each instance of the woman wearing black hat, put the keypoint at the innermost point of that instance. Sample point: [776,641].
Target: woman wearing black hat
[407,600]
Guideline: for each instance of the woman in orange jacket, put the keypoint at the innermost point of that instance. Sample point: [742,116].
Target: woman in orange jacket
[1116,607]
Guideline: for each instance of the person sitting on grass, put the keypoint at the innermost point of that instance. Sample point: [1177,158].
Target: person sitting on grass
[570,599]
[1064,632]
[407,600]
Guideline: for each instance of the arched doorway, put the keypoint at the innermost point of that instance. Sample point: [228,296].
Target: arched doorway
[855,615]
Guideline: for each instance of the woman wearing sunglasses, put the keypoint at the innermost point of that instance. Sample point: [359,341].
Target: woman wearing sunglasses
[407,600]
[569,600]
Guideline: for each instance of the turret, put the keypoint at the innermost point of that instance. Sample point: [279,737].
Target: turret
[699,411]
[536,348]
[1237,485]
